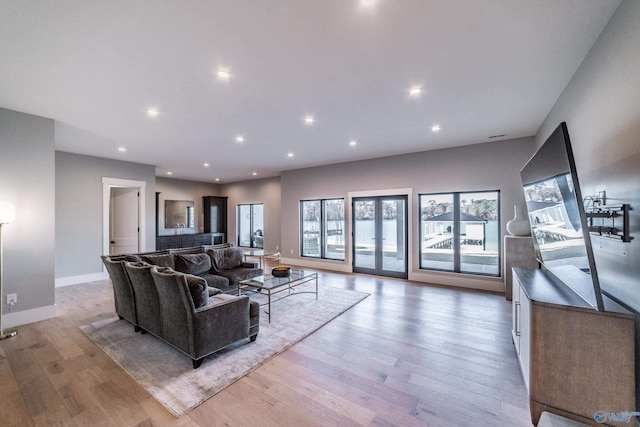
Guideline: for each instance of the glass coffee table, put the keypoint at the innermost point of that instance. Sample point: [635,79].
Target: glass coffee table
[271,286]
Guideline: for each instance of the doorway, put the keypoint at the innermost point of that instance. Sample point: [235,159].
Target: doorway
[251,226]
[123,220]
[380,236]
[125,216]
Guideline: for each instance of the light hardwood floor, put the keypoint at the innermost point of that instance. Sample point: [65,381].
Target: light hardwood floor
[408,355]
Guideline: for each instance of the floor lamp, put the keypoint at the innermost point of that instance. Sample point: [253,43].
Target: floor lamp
[7,214]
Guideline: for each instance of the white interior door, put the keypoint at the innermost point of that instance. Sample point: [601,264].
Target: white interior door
[123,220]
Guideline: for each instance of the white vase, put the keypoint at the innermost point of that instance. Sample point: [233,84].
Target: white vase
[519,225]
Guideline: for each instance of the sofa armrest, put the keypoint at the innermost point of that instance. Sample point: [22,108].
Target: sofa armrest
[250,264]
[224,320]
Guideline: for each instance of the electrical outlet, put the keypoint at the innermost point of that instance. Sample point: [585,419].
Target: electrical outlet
[12,299]
[291,251]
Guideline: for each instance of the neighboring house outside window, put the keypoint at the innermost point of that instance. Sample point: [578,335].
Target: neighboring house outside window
[460,232]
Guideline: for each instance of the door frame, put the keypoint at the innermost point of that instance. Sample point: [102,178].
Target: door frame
[107,184]
[408,192]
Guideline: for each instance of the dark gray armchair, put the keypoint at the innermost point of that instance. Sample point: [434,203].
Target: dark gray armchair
[122,291]
[202,325]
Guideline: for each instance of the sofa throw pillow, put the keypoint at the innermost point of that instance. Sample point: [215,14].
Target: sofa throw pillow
[193,263]
[198,289]
[163,260]
[226,258]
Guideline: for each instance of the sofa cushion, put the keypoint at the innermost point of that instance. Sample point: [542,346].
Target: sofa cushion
[161,260]
[198,289]
[193,263]
[226,258]
[241,273]
[214,291]
[215,280]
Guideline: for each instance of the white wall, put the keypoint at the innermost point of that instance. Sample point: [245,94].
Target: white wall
[490,166]
[27,181]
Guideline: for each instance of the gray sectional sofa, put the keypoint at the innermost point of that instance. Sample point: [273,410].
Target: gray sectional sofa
[186,297]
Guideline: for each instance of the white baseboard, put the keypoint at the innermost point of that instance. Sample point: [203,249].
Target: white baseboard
[84,278]
[468,281]
[11,320]
[322,264]
[458,280]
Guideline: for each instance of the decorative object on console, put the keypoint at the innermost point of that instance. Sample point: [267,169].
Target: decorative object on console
[281,271]
[7,215]
[519,225]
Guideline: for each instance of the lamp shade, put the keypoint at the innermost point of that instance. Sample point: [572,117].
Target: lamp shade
[7,212]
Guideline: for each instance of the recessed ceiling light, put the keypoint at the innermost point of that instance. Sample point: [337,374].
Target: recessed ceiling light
[290,155]
[169,173]
[367,2]
[308,119]
[239,139]
[254,173]
[152,112]
[435,128]
[415,91]
[122,149]
[217,179]
[353,143]
[223,74]
[206,165]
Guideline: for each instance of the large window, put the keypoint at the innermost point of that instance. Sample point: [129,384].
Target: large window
[460,232]
[322,228]
[251,226]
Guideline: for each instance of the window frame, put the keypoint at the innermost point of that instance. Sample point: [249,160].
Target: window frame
[457,233]
[323,232]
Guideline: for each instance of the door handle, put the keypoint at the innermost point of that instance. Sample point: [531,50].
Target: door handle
[112,242]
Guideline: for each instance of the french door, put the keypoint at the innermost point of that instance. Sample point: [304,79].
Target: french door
[380,235]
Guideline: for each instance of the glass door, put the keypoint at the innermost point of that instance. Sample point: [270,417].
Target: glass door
[251,226]
[380,236]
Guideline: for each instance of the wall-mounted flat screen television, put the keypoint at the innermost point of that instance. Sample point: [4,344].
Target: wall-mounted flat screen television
[558,221]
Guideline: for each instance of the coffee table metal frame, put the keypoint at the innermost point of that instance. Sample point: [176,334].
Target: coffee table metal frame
[277,285]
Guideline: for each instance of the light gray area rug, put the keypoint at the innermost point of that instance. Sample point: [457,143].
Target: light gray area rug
[167,374]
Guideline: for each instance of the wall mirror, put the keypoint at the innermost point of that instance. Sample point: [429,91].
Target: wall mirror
[179,213]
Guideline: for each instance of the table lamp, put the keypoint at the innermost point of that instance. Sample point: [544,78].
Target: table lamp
[7,215]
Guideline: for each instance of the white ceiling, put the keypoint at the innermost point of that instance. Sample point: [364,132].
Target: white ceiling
[487,67]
